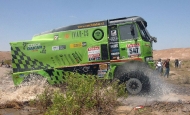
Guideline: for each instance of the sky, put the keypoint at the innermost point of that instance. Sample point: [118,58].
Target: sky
[168,20]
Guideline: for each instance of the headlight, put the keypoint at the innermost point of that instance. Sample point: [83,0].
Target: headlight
[148,59]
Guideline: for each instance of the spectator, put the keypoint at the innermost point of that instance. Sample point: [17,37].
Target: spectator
[179,64]
[176,63]
[167,67]
[159,66]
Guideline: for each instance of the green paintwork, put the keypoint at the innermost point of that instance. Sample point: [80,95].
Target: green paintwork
[69,48]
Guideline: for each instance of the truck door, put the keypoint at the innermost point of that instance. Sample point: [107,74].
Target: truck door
[129,45]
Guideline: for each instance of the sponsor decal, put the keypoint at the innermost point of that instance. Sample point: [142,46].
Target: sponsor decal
[24,45]
[34,47]
[103,66]
[61,47]
[54,48]
[94,53]
[43,50]
[133,45]
[98,34]
[113,43]
[114,50]
[67,36]
[113,32]
[115,53]
[101,73]
[133,49]
[95,24]
[56,37]
[84,44]
[114,46]
[80,34]
[113,39]
[78,45]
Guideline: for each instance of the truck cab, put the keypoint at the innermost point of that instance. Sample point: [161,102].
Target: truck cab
[129,40]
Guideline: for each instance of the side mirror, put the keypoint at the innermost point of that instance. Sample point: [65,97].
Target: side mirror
[154,39]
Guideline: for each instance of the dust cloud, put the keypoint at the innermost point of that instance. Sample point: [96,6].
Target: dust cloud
[25,92]
[160,91]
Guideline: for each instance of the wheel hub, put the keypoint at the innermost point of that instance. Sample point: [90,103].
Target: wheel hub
[134,85]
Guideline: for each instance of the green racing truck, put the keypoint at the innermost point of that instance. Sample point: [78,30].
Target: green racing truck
[110,49]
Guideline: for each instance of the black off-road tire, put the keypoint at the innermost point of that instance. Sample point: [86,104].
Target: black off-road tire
[134,86]
[133,74]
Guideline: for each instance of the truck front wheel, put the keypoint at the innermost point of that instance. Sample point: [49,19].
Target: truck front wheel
[134,86]
[134,75]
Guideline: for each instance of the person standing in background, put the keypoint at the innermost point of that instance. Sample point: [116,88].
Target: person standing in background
[159,66]
[179,65]
[176,63]
[167,67]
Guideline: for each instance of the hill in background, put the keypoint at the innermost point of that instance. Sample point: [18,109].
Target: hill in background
[5,55]
[172,54]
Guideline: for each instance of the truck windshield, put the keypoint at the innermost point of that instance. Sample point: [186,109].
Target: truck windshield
[126,31]
[143,31]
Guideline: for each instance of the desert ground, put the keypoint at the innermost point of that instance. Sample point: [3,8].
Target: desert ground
[171,97]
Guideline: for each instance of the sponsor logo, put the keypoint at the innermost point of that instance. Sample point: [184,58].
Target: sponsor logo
[114,46]
[113,33]
[133,45]
[114,50]
[94,53]
[67,35]
[54,48]
[80,34]
[91,25]
[56,37]
[61,47]
[115,53]
[78,45]
[35,46]
[113,39]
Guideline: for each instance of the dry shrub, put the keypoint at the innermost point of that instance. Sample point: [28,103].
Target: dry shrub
[12,104]
[81,96]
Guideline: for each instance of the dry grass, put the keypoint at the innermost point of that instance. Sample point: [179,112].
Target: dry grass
[180,75]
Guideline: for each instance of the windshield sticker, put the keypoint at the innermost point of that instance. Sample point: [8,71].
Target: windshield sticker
[94,53]
[133,49]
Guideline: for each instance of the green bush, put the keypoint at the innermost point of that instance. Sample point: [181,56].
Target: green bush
[87,95]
